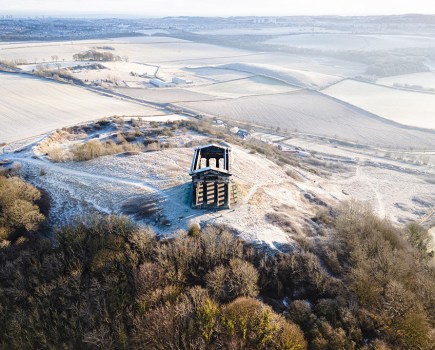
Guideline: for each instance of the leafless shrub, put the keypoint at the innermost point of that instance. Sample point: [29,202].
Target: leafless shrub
[152,147]
[95,148]
[284,222]
[18,211]
[58,154]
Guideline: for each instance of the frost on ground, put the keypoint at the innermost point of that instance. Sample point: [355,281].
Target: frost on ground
[405,107]
[257,85]
[289,76]
[344,41]
[357,154]
[314,113]
[30,106]
[278,203]
[273,208]
[154,189]
[158,184]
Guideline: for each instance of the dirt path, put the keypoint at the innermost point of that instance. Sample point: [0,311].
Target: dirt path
[363,178]
[250,194]
[380,206]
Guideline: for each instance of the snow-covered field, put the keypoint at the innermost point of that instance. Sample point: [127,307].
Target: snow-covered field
[31,106]
[307,79]
[257,85]
[425,80]
[42,51]
[347,41]
[315,113]
[218,75]
[411,159]
[165,95]
[262,31]
[172,52]
[404,107]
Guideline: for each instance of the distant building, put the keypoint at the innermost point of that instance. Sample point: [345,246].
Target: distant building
[178,81]
[160,83]
[212,187]
[219,123]
[242,133]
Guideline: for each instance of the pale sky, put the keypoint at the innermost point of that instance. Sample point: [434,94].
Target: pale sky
[144,8]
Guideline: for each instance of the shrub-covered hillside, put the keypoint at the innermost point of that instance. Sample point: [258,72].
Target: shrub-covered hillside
[107,283]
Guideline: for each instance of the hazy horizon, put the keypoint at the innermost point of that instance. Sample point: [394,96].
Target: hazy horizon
[225,8]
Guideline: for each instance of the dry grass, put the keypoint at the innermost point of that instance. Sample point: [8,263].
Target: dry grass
[8,63]
[258,197]
[59,154]
[284,222]
[95,148]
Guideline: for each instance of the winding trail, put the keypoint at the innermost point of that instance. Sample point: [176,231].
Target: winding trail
[361,177]
[379,202]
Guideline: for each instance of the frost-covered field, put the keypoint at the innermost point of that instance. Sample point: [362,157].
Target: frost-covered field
[263,31]
[32,106]
[218,75]
[295,77]
[314,113]
[166,95]
[347,41]
[315,64]
[257,85]
[425,80]
[150,50]
[405,107]
[171,52]
[411,159]
[42,51]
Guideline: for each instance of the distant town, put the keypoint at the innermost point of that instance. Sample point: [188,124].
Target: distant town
[42,28]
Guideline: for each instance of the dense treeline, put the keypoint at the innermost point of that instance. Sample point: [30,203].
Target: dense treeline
[107,283]
[94,55]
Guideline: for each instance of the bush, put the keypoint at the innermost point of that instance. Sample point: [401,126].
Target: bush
[250,324]
[380,265]
[18,212]
[194,230]
[95,148]
[58,154]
